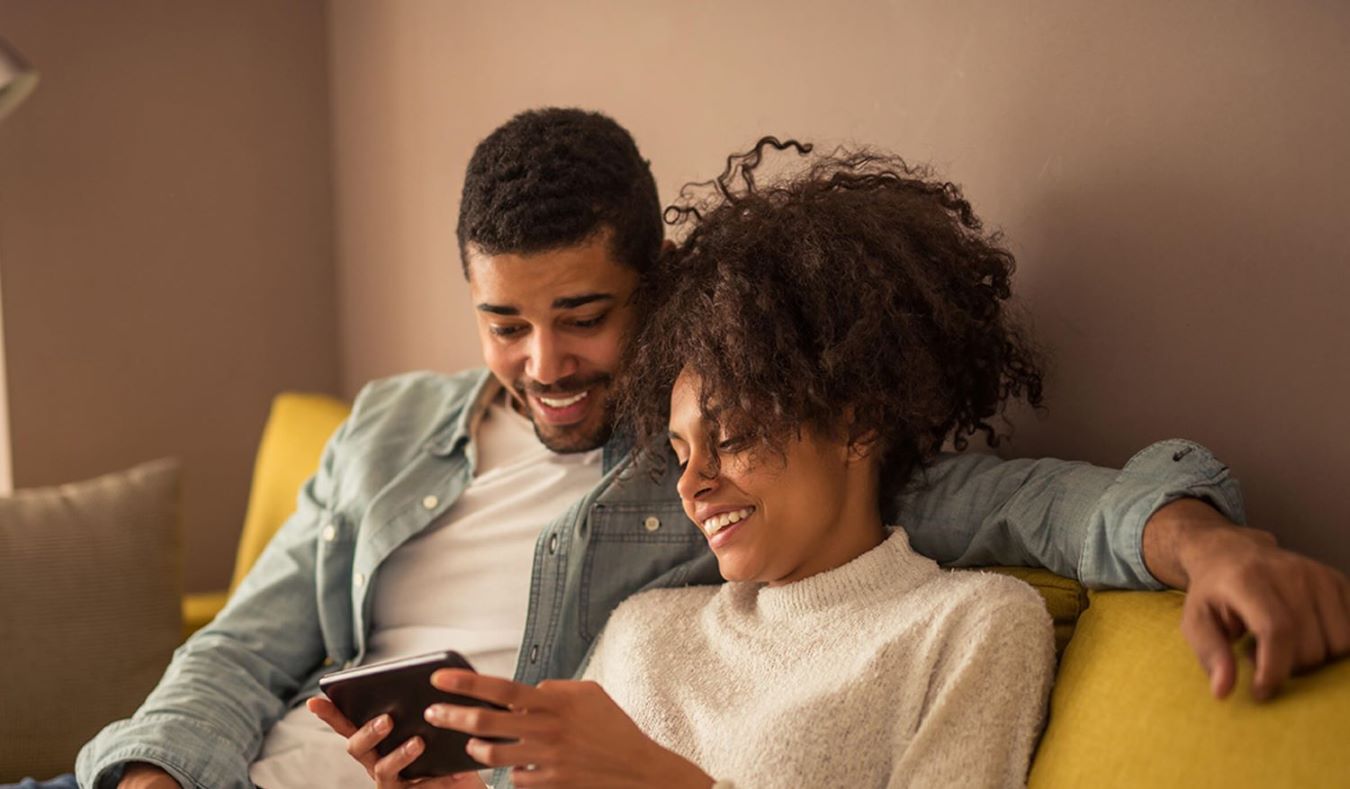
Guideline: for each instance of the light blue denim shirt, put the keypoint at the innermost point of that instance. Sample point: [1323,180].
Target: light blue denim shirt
[406,453]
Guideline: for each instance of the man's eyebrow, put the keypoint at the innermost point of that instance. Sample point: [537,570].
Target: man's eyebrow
[497,309]
[673,436]
[572,302]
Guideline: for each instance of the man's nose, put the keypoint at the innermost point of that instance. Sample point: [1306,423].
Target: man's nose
[550,358]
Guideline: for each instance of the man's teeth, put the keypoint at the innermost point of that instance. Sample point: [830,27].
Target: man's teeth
[563,403]
[719,522]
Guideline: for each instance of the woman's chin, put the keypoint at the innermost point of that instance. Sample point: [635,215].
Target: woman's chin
[734,570]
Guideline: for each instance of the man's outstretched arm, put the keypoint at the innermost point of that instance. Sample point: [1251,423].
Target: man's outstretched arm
[1170,517]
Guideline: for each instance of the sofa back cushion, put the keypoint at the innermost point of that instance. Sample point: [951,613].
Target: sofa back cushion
[90,583]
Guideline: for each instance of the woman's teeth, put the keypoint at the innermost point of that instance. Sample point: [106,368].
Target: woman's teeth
[719,522]
[564,402]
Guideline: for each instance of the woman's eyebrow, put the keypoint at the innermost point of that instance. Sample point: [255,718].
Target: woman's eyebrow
[673,436]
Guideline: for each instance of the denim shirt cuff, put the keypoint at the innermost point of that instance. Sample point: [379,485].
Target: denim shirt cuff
[1156,476]
[195,757]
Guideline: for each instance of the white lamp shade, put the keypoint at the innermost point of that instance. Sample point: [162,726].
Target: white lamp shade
[17,79]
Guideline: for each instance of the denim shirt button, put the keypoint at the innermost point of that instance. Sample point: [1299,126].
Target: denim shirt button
[329,532]
[553,544]
[534,654]
[430,502]
[652,523]
[359,580]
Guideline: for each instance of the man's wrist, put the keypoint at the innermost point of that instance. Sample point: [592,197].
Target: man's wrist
[1183,535]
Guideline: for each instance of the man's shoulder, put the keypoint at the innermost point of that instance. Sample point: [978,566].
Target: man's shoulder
[423,394]
[421,385]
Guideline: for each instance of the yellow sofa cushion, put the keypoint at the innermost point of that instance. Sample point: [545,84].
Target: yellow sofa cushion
[292,441]
[1131,707]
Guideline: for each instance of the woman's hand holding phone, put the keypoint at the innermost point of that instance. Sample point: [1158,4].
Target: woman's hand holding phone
[565,733]
[385,770]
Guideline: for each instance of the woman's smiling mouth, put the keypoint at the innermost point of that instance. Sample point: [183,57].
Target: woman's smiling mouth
[722,526]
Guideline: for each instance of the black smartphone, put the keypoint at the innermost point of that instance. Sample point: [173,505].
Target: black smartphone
[402,688]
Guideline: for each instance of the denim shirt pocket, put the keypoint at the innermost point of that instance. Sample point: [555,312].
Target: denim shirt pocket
[634,545]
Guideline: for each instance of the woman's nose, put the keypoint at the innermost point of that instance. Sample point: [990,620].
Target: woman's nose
[697,479]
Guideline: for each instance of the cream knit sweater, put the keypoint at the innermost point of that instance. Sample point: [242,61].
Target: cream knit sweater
[888,671]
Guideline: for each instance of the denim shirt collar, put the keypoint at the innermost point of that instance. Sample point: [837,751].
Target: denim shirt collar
[462,421]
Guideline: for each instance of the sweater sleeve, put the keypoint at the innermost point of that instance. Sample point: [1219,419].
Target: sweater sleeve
[986,700]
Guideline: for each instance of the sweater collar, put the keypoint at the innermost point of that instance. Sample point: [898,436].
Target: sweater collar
[888,570]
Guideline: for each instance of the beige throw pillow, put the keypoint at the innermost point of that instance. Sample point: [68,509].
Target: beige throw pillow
[90,590]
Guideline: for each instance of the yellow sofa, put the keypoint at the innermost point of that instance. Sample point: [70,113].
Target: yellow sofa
[1131,706]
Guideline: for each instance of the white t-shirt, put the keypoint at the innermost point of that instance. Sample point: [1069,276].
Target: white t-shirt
[461,584]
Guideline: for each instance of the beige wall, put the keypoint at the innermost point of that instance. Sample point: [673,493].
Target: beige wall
[1172,176]
[165,242]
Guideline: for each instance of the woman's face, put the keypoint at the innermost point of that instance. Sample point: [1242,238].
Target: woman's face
[769,518]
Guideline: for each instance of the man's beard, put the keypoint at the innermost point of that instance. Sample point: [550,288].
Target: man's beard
[584,436]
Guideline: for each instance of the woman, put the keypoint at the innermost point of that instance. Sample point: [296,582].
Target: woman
[809,344]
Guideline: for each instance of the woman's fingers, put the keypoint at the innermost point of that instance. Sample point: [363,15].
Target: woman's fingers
[386,770]
[510,754]
[329,714]
[503,692]
[485,722]
[361,745]
[360,742]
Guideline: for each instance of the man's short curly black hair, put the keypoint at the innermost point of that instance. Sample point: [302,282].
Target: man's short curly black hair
[552,178]
[859,286]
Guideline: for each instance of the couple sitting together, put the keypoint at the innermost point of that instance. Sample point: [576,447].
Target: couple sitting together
[766,404]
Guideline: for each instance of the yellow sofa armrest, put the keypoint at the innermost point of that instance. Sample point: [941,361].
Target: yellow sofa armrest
[200,608]
[1131,707]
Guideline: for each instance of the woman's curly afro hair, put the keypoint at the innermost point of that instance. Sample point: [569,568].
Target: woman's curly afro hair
[859,297]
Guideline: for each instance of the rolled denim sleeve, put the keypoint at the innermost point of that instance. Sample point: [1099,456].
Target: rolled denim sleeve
[204,722]
[1075,519]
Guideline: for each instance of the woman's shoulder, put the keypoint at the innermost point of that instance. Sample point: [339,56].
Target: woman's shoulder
[972,602]
[658,611]
[645,624]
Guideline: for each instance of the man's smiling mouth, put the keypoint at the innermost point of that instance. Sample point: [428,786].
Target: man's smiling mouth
[554,402]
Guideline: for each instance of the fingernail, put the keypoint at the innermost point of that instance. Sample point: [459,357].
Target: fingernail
[413,745]
[383,724]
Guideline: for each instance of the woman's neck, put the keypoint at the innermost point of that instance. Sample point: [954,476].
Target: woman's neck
[856,529]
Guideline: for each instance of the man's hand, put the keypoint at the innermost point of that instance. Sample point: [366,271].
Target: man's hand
[384,771]
[1238,581]
[566,734]
[140,775]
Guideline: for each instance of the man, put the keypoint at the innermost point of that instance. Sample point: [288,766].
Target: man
[440,496]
